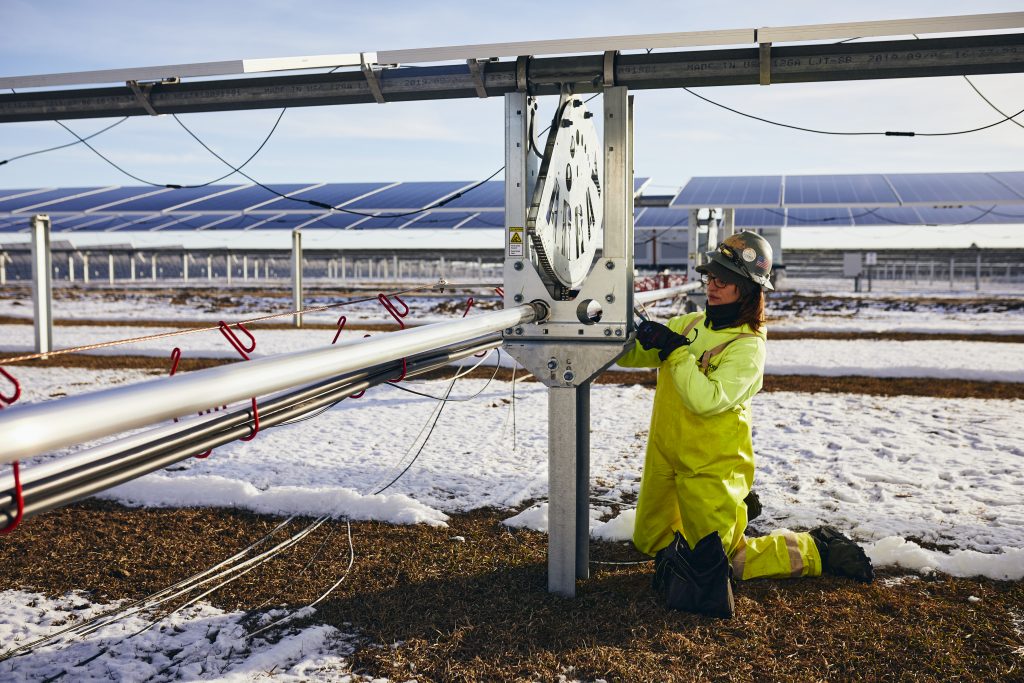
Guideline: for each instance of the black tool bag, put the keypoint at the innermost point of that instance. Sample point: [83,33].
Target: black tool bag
[698,580]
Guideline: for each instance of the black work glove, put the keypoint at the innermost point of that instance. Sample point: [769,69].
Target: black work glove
[652,335]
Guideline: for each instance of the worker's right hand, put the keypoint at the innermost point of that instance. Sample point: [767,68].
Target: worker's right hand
[652,335]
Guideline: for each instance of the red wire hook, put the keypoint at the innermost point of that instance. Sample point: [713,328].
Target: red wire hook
[244,352]
[392,309]
[19,496]
[4,398]
[469,304]
[341,325]
[232,338]
[500,292]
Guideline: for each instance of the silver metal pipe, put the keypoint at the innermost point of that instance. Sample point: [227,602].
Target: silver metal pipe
[162,452]
[655,295]
[37,428]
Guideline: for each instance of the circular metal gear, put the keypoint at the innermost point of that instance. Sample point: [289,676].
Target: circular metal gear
[565,221]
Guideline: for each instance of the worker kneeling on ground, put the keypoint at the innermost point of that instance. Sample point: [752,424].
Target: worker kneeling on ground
[699,466]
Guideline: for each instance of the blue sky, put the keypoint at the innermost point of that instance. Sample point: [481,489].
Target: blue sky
[677,136]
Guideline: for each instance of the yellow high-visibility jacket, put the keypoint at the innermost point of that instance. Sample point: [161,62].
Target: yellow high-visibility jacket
[700,460]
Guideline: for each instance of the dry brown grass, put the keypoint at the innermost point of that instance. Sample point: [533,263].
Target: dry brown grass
[437,609]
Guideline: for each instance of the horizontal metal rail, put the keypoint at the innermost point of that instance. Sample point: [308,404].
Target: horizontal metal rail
[33,429]
[655,295]
[1001,53]
[65,480]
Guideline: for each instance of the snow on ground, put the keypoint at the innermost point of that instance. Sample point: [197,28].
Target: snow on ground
[924,483]
[201,642]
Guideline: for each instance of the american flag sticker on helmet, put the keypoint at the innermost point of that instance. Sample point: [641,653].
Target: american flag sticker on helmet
[763,262]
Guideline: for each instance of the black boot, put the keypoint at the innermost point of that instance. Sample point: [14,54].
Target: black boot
[698,580]
[753,506]
[841,556]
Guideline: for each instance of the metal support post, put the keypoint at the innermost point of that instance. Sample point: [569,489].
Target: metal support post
[245,267]
[152,267]
[729,224]
[774,238]
[297,277]
[85,267]
[131,265]
[42,283]
[952,267]
[110,267]
[228,258]
[209,267]
[977,272]
[71,267]
[184,266]
[3,268]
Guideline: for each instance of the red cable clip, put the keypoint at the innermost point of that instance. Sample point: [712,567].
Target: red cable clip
[4,398]
[175,359]
[244,352]
[341,325]
[19,495]
[232,338]
[500,292]
[390,308]
[469,304]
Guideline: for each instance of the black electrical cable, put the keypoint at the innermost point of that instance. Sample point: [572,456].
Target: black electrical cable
[70,144]
[887,133]
[328,207]
[175,186]
[989,103]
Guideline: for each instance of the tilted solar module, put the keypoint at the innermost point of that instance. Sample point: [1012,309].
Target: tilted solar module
[175,199]
[759,218]
[950,188]
[251,197]
[490,195]
[1011,179]
[826,216]
[485,220]
[733,191]
[99,200]
[967,215]
[408,196]
[332,194]
[902,215]
[838,190]
[29,202]
[441,219]
[660,217]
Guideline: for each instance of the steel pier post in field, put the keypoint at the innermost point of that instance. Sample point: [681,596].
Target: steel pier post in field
[570,348]
[42,283]
[297,277]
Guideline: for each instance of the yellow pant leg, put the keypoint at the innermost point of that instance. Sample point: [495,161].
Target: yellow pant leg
[657,511]
[776,556]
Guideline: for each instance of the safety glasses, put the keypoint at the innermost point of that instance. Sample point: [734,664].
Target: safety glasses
[718,282]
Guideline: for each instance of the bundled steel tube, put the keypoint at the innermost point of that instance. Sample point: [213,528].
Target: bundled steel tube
[61,482]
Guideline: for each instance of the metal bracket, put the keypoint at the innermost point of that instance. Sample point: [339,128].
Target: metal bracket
[608,79]
[523,73]
[142,95]
[372,78]
[765,58]
[476,70]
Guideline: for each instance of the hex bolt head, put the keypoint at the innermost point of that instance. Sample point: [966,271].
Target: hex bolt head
[566,123]
[518,265]
[568,376]
[610,265]
[609,298]
[552,364]
[618,333]
[518,298]
[607,331]
[519,330]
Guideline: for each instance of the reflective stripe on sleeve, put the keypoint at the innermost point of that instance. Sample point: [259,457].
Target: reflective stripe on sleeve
[796,560]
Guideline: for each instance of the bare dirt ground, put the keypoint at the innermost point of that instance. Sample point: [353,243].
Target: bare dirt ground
[432,608]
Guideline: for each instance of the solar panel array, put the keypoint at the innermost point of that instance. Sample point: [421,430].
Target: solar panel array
[867,190]
[759,201]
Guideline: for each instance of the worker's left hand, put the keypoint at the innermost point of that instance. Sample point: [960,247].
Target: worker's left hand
[652,335]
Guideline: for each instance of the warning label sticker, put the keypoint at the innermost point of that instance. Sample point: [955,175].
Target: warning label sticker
[515,241]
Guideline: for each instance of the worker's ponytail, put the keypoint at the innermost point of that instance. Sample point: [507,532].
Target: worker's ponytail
[751,306]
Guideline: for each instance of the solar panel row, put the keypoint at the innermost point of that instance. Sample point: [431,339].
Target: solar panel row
[870,190]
